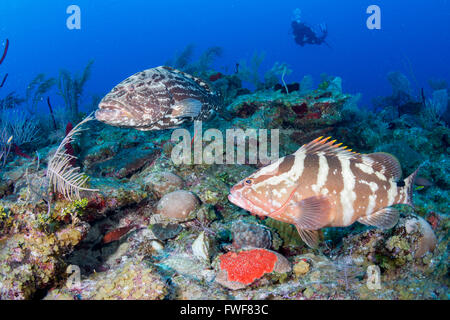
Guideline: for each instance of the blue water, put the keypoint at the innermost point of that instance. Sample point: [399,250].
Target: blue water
[128,36]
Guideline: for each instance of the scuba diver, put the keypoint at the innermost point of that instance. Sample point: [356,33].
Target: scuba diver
[304,34]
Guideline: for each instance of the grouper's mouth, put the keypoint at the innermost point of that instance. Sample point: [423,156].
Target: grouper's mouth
[104,114]
[237,201]
[246,204]
[112,114]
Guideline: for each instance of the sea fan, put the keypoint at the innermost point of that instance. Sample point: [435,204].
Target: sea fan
[66,179]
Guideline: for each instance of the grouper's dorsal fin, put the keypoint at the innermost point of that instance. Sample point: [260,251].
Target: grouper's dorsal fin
[328,148]
[197,80]
[385,163]
[381,162]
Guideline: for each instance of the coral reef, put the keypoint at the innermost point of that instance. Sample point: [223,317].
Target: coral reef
[128,281]
[151,229]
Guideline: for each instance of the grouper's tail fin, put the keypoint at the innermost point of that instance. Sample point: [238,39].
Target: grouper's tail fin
[409,185]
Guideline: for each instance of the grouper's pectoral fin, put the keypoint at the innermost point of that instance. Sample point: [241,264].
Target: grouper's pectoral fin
[385,218]
[146,129]
[310,237]
[157,128]
[310,215]
[187,108]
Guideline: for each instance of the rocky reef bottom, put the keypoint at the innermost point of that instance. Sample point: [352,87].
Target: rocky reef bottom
[157,230]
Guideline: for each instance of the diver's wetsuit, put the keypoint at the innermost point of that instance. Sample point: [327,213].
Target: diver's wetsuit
[304,34]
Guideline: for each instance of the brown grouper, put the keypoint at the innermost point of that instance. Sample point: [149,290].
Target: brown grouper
[325,185]
[156,99]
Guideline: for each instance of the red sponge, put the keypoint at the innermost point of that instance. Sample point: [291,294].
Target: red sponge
[247,266]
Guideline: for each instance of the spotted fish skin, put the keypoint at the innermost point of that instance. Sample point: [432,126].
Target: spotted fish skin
[156,99]
[325,185]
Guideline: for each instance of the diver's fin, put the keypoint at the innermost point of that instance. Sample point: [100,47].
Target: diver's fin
[187,108]
[385,218]
[311,213]
[310,237]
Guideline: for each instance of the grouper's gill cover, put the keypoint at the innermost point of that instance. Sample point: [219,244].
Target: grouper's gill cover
[325,185]
[156,99]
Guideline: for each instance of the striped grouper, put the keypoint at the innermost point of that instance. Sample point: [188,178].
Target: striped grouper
[325,185]
[156,99]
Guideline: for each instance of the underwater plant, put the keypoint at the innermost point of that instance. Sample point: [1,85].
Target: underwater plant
[184,60]
[203,64]
[36,89]
[11,100]
[5,51]
[5,146]
[17,127]
[19,124]
[66,179]
[432,111]
[400,84]
[437,84]
[70,88]
[249,72]
[279,69]
[306,83]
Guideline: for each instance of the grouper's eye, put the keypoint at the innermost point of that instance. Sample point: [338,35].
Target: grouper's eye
[248,182]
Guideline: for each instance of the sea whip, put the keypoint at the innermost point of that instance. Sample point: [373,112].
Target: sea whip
[51,112]
[68,146]
[5,52]
[3,58]
[4,79]
[19,151]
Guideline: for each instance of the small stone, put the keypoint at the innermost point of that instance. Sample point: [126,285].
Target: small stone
[178,205]
[308,293]
[208,275]
[301,268]
[164,232]
[118,254]
[156,245]
[163,182]
[248,235]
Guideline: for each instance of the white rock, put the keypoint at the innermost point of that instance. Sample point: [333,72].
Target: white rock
[156,245]
[200,247]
